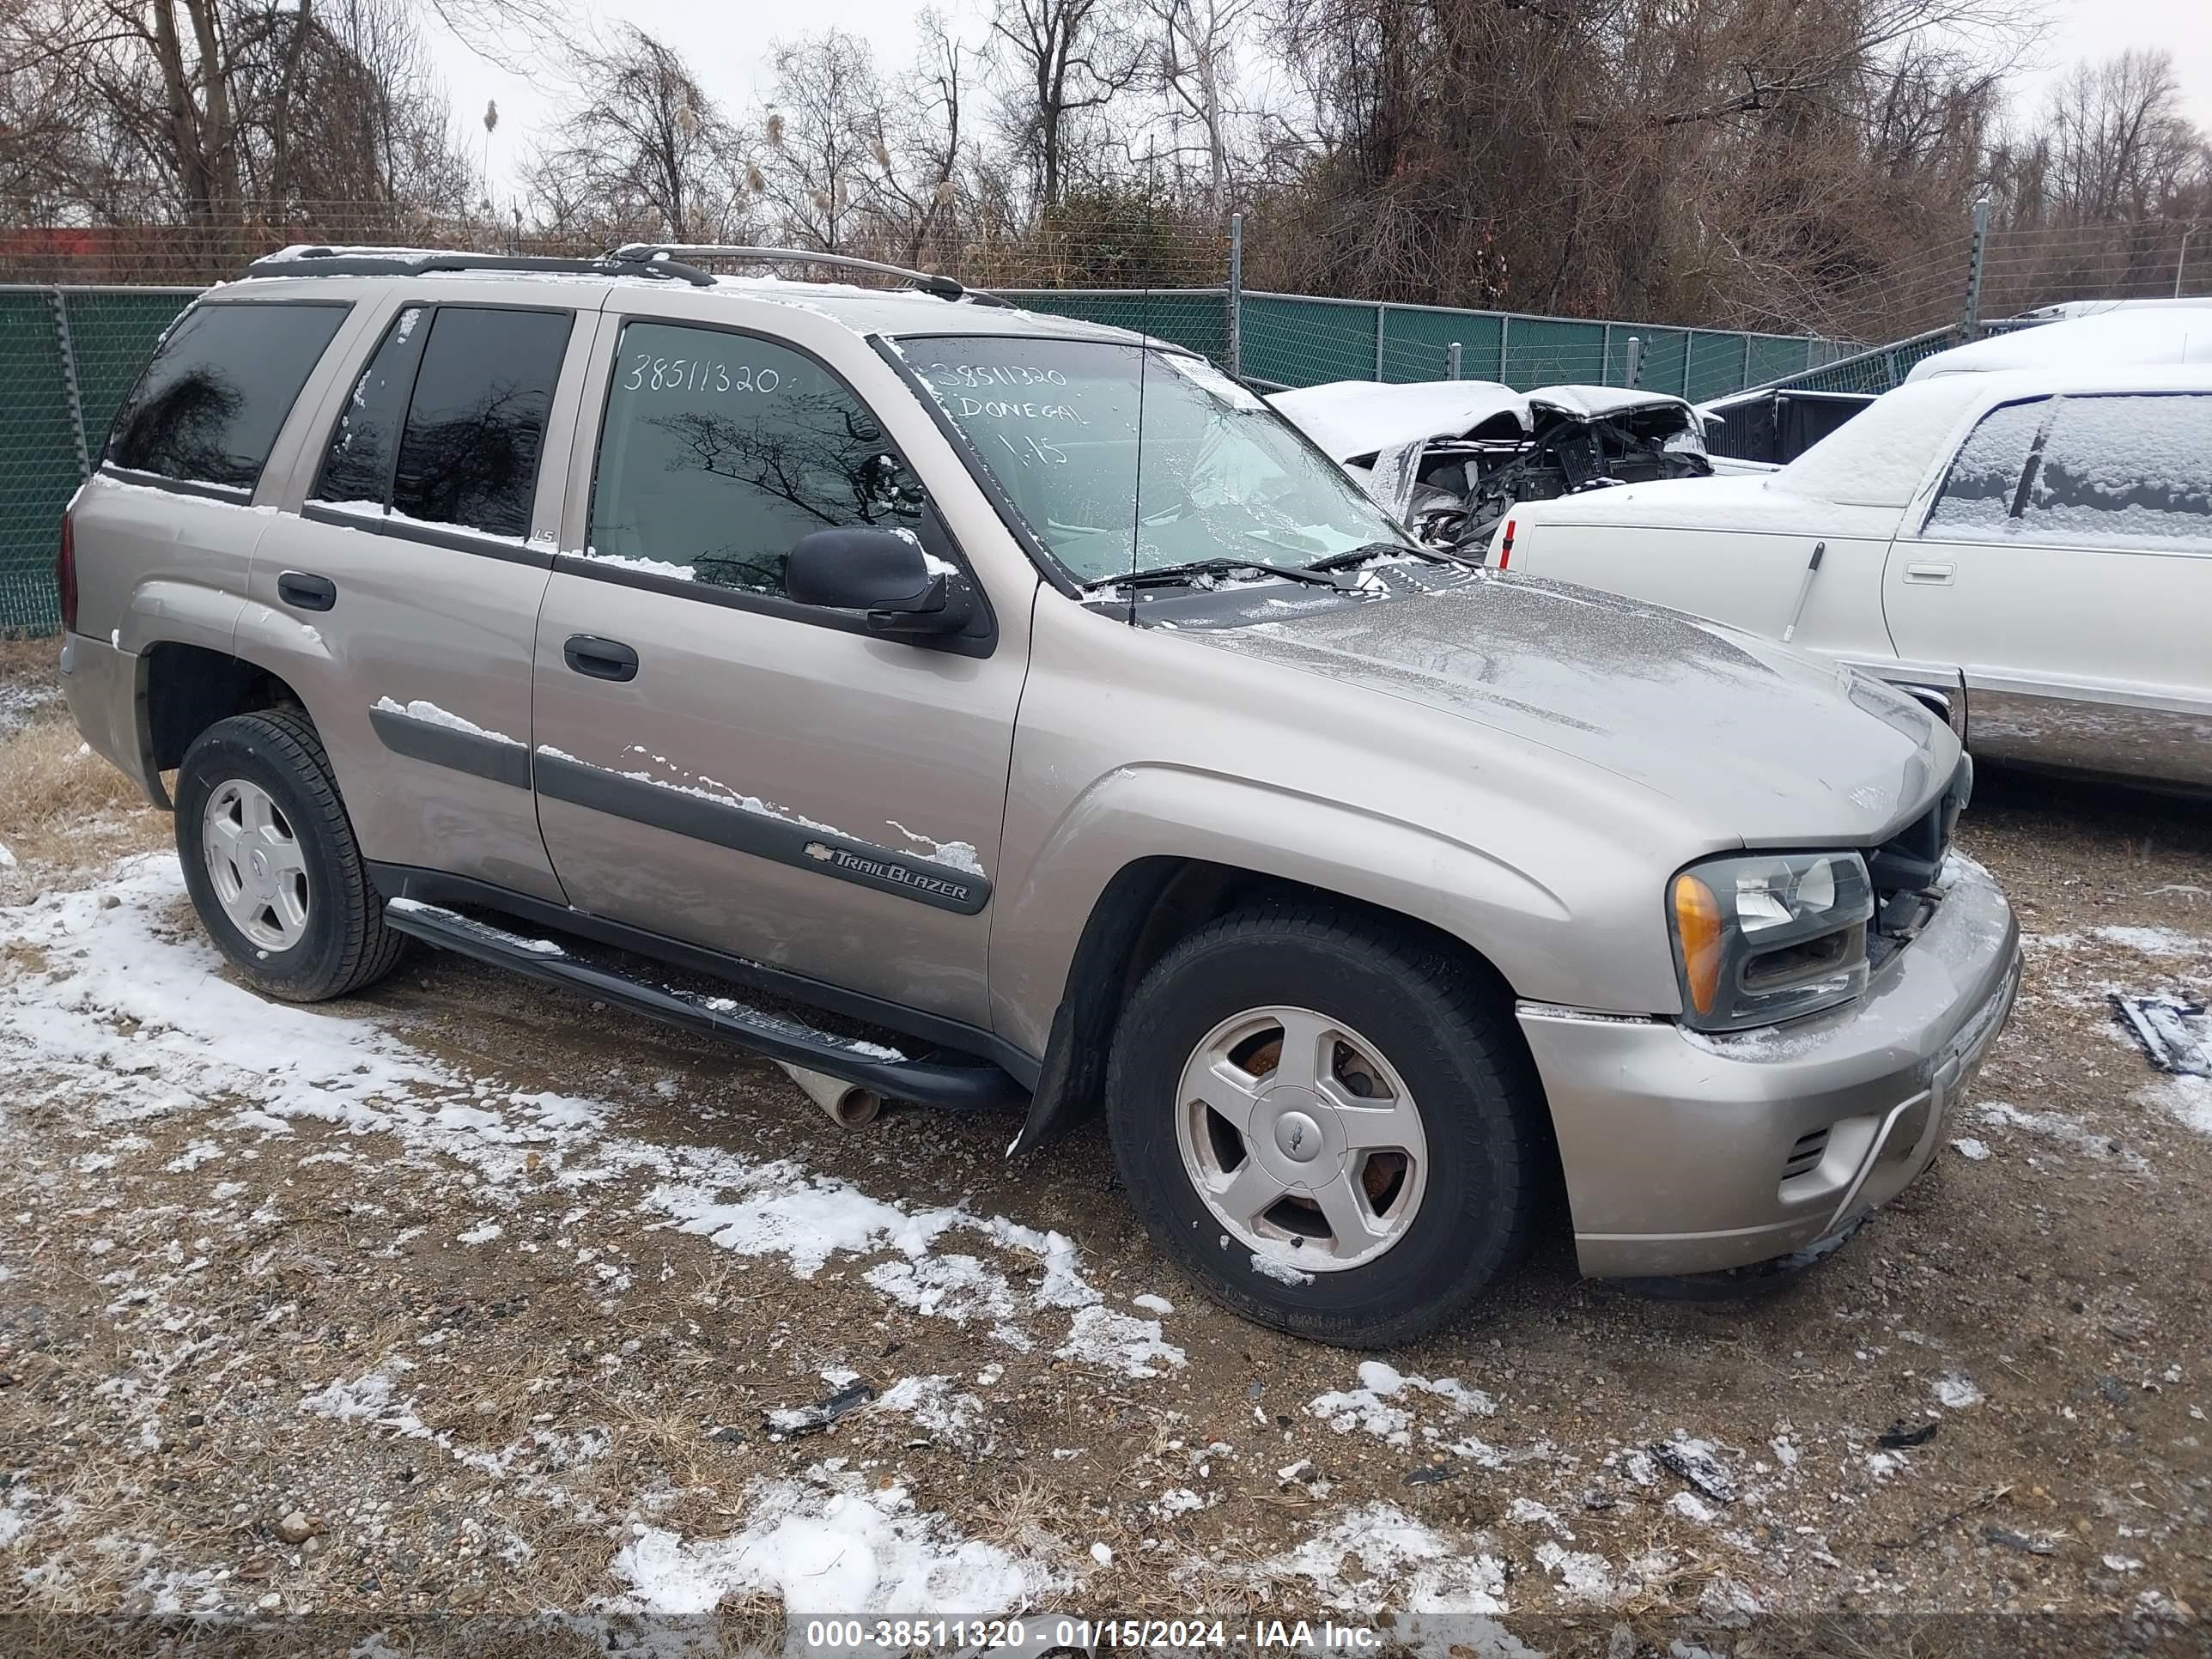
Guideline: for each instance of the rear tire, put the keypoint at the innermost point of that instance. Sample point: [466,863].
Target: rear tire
[1408,1149]
[271,863]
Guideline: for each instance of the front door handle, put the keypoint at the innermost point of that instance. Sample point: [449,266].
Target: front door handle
[602,659]
[1929,573]
[305,593]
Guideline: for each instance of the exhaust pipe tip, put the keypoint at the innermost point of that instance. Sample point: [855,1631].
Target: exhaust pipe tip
[847,1105]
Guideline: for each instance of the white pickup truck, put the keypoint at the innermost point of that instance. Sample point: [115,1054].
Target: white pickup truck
[2031,552]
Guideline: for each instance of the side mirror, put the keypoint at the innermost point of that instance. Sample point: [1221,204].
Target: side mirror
[881,572]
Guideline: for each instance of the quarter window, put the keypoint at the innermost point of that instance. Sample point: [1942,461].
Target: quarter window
[720,451]
[476,420]
[208,407]
[2133,468]
[1982,488]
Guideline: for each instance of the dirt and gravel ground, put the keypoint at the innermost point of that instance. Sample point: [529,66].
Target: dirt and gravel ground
[467,1298]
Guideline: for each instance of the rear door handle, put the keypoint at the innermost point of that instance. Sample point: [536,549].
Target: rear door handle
[305,593]
[602,659]
[1933,575]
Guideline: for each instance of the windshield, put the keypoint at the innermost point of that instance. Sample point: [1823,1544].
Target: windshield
[1210,472]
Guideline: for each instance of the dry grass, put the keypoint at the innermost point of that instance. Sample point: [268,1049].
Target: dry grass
[59,803]
[23,659]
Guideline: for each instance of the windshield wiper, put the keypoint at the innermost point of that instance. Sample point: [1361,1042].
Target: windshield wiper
[1379,550]
[1167,575]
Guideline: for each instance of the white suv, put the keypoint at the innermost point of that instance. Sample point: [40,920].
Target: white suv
[2032,551]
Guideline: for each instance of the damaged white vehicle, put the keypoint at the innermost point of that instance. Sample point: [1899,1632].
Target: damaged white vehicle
[1447,458]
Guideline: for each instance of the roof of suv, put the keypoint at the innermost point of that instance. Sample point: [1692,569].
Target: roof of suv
[895,312]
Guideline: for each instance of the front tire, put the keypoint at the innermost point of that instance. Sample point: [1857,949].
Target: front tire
[1328,1122]
[271,863]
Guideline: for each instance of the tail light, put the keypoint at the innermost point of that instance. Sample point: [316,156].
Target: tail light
[65,574]
[1505,546]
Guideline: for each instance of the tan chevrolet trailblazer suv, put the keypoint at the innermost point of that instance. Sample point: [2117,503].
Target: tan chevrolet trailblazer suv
[993,710]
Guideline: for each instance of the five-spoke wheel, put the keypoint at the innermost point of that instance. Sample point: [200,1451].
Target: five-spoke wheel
[1328,1119]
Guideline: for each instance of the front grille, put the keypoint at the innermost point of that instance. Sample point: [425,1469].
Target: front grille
[1904,867]
[1805,1157]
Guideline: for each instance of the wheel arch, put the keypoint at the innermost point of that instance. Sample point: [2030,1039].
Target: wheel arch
[1147,907]
[183,689]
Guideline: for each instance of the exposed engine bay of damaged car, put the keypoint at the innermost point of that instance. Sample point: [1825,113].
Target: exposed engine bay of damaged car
[1447,458]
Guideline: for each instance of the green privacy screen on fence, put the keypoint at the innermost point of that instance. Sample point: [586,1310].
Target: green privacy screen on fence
[68,355]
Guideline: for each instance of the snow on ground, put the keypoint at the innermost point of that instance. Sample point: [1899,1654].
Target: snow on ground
[1350,1487]
[134,1016]
[1372,1407]
[195,1035]
[830,1543]
[23,701]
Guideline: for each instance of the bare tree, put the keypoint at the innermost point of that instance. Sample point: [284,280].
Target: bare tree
[1194,69]
[2118,144]
[218,110]
[919,143]
[641,148]
[823,138]
[1068,58]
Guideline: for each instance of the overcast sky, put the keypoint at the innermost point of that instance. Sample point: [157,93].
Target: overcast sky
[727,47]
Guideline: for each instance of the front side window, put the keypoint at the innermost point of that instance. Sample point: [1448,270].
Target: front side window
[2133,468]
[476,420]
[1123,459]
[1981,491]
[209,405]
[719,450]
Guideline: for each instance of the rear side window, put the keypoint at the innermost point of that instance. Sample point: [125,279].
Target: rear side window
[209,405]
[365,441]
[720,451]
[2125,468]
[1982,488]
[476,419]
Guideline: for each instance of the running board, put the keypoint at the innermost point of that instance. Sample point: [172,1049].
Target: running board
[977,1085]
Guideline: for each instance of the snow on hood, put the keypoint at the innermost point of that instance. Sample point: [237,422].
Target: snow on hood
[2180,334]
[1350,418]
[1596,403]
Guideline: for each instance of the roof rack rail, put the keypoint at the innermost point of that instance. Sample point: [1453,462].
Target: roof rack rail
[311,261]
[650,253]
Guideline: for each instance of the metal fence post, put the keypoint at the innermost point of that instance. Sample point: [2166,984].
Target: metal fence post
[1604,357]
[1382,312]
[1974,263]
[1743,380]
[1635,360]
[1504,330]
[70,389]
[1237,293]
[1451,361]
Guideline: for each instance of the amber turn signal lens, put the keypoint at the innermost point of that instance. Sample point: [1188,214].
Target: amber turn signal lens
[1697,925]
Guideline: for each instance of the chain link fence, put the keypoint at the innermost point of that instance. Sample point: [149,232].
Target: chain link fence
[68,353]
[67,357]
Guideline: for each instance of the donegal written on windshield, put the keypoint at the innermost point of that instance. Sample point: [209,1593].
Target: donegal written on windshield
[1123,459]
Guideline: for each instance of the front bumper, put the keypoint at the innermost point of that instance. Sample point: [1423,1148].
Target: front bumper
[1685,1154]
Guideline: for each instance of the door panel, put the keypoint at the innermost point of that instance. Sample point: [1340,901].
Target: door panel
[819,800]
[409,634]
[395,686]
[1754,581]
[2071,581]
[719,763]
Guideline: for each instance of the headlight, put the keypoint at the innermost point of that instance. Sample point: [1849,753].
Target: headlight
[1770,936]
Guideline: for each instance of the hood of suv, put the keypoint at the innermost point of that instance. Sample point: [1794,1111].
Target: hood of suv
[1768,744]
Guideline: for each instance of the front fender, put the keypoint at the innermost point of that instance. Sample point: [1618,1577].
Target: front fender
[1508,914]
